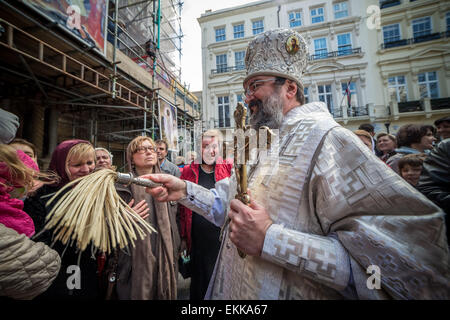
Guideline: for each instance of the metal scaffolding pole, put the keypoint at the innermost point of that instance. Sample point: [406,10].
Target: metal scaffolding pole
[116,22]
[184,107]
[172,15]
[154,98]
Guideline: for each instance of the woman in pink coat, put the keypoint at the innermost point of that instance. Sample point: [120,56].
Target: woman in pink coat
[18,174]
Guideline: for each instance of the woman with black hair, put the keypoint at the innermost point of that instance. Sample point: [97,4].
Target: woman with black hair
[412,139]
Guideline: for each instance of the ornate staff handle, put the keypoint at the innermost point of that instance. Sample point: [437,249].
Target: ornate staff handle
[241,169]
[242,195]
[128,178]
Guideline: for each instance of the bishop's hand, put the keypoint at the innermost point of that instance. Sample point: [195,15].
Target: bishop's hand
[248,226]
[173,188]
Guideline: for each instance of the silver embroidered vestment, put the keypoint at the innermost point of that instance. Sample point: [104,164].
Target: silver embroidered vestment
[335,208]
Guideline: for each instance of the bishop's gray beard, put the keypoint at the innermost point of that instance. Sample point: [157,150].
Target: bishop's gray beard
[268,113]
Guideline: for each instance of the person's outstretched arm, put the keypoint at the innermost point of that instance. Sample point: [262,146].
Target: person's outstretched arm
[212,204]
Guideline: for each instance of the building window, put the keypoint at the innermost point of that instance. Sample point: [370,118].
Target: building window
[340,10]
[317,15]
[320,48]
[388,3]
[350,94]
[447,19]
[397,86]
[306,94]
[325,95]
[238,31]
[239,60]
[240,98]
[344,44]
[295,19]
[258,26]
[220,34]
[221,63]
[428,85]
[391,33]
[421,27]
[224,111]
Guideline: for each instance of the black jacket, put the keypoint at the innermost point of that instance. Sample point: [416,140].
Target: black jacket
[71,260]
[434,181]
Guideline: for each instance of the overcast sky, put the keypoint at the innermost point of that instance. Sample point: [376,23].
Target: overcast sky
[191,60]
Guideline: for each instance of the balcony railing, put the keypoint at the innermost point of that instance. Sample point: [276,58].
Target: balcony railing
[410,106]
[358,111]
[227,69]
[424,38]
[440,103]
[393,44]
[332,54]
[351,112]
[337,113]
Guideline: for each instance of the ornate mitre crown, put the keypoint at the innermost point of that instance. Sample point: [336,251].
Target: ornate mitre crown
[279,52]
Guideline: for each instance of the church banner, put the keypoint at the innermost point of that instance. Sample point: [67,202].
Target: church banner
[86,20]
[168,124]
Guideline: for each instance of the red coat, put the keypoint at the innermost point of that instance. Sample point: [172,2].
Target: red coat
[190,173]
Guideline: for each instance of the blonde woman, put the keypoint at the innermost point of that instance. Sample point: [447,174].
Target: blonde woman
[147,271]
[71,159]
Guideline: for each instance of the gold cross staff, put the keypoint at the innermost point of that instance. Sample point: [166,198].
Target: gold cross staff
[241,168]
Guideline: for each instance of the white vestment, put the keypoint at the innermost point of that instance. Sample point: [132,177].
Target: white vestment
[337,210]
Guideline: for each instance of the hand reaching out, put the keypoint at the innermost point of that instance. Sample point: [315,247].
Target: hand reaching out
[173,188]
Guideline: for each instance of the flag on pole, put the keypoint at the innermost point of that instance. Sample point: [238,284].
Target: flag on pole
[349,96]
[348,93]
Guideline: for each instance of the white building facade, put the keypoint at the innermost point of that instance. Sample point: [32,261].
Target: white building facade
[344,44]
[413,58]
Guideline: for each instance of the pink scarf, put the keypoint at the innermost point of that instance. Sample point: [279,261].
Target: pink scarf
[11,209]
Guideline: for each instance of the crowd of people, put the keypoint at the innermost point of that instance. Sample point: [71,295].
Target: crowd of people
[413,147]
[337,203]
[405,152]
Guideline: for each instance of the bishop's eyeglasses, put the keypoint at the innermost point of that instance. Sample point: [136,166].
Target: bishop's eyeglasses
[252,87]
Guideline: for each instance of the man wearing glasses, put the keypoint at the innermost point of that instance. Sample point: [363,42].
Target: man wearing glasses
[331,221]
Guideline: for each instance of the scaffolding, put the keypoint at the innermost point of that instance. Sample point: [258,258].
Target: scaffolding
[107,101]
[155,21]
[150,32]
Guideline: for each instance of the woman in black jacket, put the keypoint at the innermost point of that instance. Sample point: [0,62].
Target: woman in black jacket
[77,277]
[434,181]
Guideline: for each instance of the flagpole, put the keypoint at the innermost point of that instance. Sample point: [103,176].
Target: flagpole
[340,105]
[346,92]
